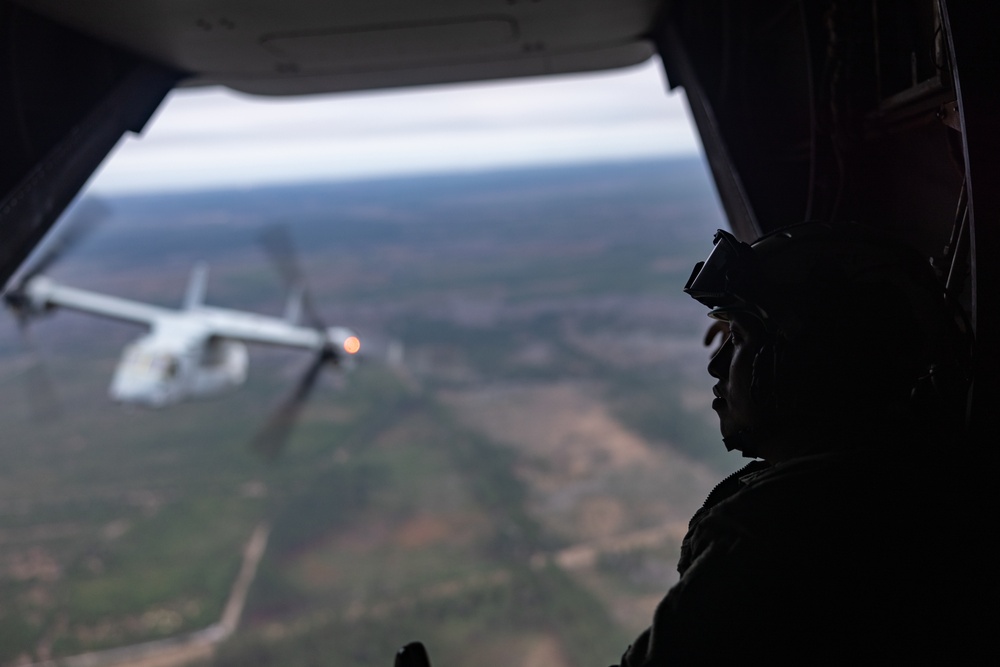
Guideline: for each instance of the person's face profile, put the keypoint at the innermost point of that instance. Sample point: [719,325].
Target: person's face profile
[733,367]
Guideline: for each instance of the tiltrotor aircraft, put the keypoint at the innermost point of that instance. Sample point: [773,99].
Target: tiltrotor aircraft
[197,350]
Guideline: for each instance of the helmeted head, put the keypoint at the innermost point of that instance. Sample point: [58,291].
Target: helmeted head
[850,332]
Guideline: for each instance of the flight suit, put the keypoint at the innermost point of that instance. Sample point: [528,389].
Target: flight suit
[838,558]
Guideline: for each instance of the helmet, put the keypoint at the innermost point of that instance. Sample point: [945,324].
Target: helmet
[856,323]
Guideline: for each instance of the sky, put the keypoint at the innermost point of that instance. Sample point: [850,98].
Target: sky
[212,137]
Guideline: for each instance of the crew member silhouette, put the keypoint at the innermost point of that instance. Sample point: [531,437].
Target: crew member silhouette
[843,374]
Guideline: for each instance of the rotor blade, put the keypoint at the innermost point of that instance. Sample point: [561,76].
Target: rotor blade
[309,309]
[272,438]
[81,222]
[277,244]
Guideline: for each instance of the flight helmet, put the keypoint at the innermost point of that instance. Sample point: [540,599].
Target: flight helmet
[857,327]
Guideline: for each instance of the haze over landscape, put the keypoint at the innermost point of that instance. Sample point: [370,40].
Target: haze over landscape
[513,493]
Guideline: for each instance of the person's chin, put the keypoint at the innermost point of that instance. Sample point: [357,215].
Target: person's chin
[727,428]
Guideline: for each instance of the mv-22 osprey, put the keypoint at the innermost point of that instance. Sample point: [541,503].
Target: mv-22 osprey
[196,351]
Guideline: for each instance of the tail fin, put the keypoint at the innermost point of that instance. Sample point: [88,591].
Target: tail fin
[195,295]
[293,307]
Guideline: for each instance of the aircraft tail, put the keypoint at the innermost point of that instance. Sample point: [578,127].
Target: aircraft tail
[293,308]
[195,295]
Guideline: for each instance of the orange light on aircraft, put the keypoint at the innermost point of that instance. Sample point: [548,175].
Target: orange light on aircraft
[352,345]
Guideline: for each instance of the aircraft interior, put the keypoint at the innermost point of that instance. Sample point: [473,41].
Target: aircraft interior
[880,111]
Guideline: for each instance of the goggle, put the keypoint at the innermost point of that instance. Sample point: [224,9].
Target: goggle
[726,280]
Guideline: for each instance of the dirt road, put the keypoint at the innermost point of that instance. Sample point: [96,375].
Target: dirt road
[187,648]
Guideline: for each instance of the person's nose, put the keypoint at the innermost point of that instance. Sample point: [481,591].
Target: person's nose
[718,365]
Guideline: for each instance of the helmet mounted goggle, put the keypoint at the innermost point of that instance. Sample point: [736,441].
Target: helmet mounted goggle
[729,280]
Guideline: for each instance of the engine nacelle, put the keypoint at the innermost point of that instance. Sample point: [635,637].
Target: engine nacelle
[33,298]
[344,341]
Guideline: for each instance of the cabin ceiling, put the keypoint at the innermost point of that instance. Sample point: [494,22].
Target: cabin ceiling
[311,46]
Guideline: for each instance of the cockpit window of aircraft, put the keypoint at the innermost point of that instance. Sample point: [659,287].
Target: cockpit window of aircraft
[423,370]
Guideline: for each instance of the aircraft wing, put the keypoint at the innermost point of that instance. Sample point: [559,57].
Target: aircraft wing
[260,329]
[264,330]
[43,293]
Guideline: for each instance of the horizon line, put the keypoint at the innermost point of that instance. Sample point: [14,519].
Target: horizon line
[387,176]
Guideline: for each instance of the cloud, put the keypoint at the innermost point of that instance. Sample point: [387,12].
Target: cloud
[205,138]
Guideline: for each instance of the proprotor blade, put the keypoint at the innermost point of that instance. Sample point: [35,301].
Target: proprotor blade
[271,440]
[279,248]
